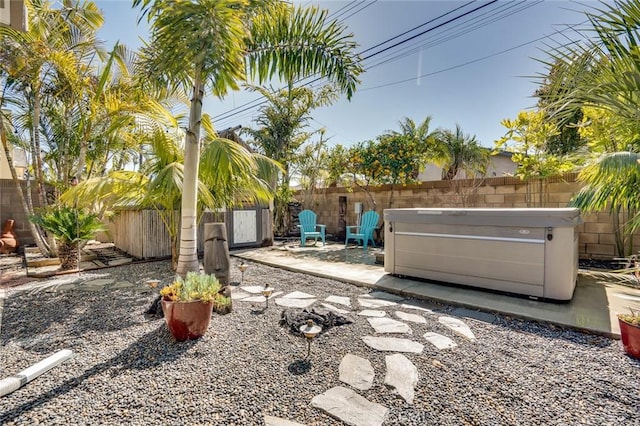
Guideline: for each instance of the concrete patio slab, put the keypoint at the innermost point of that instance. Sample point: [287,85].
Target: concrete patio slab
[593,308]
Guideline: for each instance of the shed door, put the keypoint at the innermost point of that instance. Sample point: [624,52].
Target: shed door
[245,227]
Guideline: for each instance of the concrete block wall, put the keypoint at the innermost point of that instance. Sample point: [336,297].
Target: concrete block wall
[596,234]
[11,208]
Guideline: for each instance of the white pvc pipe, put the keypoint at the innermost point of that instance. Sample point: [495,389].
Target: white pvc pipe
[15,382]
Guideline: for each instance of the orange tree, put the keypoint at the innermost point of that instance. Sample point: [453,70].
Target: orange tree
[393,158]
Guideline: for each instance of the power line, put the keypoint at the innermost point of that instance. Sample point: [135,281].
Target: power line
[470,62]
[252,104]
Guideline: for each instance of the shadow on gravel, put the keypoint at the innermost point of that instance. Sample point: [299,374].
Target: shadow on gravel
[151,350]
[299,367]
[35,319]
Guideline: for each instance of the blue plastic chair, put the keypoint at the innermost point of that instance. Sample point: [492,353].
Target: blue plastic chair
[364,232]
[309,228]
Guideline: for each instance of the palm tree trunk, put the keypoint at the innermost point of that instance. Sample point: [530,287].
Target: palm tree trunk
[188,252]
[37,155]
[69,254]
[37,237]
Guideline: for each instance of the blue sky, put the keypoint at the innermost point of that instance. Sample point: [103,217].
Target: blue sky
[474,71]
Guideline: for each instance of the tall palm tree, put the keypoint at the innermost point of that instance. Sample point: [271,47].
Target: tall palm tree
[234,178]
[282,134]
[418,132]
[209,45]
[56,43]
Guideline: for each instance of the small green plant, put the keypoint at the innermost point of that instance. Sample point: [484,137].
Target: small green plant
[633,318]
[194,286]
[68,225]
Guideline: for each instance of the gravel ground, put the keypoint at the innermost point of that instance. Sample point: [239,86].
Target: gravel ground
[128,369]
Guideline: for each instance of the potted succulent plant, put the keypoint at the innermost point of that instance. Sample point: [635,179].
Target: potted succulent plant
[630,332]
[188,303]
[71,228]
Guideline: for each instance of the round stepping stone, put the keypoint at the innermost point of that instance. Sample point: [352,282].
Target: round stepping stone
[388,325]
[372,313]
[419,319]
[277,421]
[341,300]
[349,407]
[356,372]
[401,375]
[335,309]
[393,344]
[439,341]
[457,326]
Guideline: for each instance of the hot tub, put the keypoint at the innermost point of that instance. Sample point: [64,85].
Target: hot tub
[528,251]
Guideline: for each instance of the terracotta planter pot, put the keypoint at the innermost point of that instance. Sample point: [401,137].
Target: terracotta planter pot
[630,338]
[187,320]
[8,238]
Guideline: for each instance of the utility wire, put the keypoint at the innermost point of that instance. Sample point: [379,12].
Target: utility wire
[473,61]
[442,38]
[252,104]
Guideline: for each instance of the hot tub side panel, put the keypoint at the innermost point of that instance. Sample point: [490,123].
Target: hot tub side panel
[500,249]
[561,264]
[487,258]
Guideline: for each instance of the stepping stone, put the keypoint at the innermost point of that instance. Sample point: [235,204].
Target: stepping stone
[439,341]
[411,317]
[254,289]
[298,295]
[419,306]
[476,315]
[349,407]
[277,421]
[457,326]
[335,309]
[383,295]
[244,297]
[388,325]
[356,372]
[341,300]
[375,303]
[295,303]
[121,284]
[96,284]
[255,299]
[372,313]
[239,295]
[401,375]
[393,344]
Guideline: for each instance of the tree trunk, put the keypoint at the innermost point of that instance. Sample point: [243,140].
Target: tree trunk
[37,156]
[69,254]
[37,237]
[188,257]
